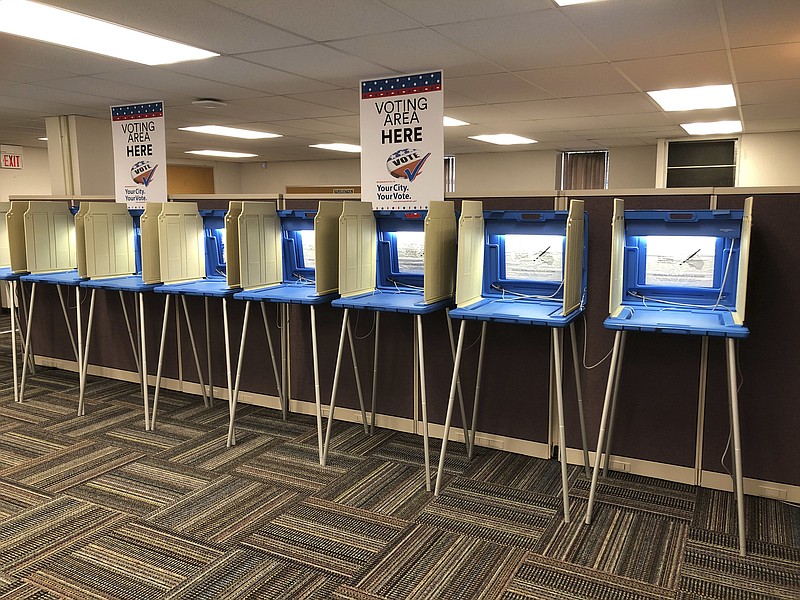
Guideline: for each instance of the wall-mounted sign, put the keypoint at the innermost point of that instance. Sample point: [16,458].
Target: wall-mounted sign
[402,141]
[11,157]
[140,153]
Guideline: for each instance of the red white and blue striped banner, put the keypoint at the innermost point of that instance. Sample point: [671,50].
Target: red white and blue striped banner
[402,141]
[140,153]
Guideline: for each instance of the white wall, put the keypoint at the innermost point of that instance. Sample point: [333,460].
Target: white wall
[227,177]
[632,167]
[92,155]
[506,173]
[769,159]
[32,178]
[277,175]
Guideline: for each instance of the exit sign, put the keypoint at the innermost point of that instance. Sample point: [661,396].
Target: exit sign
[11,157]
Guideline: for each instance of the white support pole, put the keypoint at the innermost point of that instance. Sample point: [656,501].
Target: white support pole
[160,361]
[79,356]
[345,318]
[579,392]
[26,350]
[26,320]
[738,483]
[208,352]
[478,385]
[603,420]
[358,377]
[701,410]
[12,292]
[317,389]
[234,398]
[464,424]
[85,364]
[143,358]
[128,326]
[562,438]
[66,320]
[450,401]
[423,400]
[284,309]
[617,376]
[273,359]
[227,334]
[194,351]
[375,372]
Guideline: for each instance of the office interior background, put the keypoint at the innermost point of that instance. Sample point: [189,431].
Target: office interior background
[573,78]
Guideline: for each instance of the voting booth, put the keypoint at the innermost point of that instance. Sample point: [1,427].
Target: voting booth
[192,263]
[525,268]
[678,272]
[287,257]
[394,261]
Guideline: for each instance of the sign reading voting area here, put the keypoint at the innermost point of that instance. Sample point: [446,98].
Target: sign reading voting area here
[402,141]
[140,154]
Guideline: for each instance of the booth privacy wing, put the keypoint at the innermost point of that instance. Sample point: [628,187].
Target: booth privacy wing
[439,261]
[181,241]
[357,249]
[5,251]
[744,260]
[50,237]
[105,234]
[260,247]
[151,256]
[617,257]
[326,247]
[15,226]
[469,273]
[574,268]
[233,276]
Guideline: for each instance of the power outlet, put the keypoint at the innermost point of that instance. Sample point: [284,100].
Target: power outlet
[489,443]
[619,465]
[772,492]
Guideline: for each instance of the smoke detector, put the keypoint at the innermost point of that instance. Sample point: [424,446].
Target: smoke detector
[209,103]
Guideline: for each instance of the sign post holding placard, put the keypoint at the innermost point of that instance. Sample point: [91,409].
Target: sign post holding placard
[140,153]
[402,141]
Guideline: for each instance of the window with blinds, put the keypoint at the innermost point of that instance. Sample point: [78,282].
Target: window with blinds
[585,170]
[708,163]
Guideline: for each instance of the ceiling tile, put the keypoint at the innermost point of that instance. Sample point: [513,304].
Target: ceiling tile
[438,13]
[764,63]
[584,80]
[544,109]
[344,99]
[759,23]
[501,87]
[683,70]
[786,110]
[482,114]
[172,82]
[766,125]
[787,90]
[617,104]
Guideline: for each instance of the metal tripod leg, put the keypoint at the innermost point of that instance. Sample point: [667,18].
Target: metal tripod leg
[423,400]
[562,439]
[738,479]
[375,372]
[326,444]
[614,397]
[579,393]
[194,351]
[160,362]
[450,402]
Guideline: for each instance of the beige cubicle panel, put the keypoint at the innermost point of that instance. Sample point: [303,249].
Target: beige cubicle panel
[439,261]
[744,261]
[326,247]
[260,247]
[15,228]
[50,237]
[148,231]
[573,260]
[617,257]
[357,249]
[181,242]
[105,233]
[5,251]
[233,276]
[469,270]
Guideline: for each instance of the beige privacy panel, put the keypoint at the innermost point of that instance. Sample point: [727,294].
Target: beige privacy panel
[326,247]
[744,259]
[148,231]
[469,271]
[573,261]
[5,252]
[181,242]
[80,237]
[260,246]
[440,251]
[50,237]
[15,227]
[108,240]
[232,271]
[617,257]
[357,249]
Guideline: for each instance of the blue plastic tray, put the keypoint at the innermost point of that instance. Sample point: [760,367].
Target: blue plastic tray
[6,274]
[212,288]
[288,293]
[127,283]
[393,301]
[682,321]
[522,312]
[59,278]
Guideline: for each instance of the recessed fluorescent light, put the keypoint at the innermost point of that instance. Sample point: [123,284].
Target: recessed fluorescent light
[338,147]
[246,134]
[503,139]
[695,98]
[44,139]
[222,153]
[451,122]
[67,28]
[713,127]
[571,2]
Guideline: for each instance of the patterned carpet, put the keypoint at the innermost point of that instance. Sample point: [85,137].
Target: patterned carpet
[95,507]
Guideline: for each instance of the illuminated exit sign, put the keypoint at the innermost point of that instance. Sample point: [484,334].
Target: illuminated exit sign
[11,157]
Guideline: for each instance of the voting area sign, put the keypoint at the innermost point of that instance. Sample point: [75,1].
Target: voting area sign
[402,141]
[140,153]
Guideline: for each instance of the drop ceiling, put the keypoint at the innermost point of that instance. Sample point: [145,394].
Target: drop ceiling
[573,78]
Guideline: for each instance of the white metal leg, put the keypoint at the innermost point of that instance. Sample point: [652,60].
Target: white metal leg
[464,423]
[603,421]
[234,398]
[478,385]
[317,390]
[208,352]
[326,444]
[160,362]
[375,373]
[273,359]
[614,397]
[579,393]
[285,352]
[12,288]
[26,350]
[194,350]
[84,367]
[562,438]
[226,333]
[358,378]
[130,330]
[25,319]
[738,479]
[79,356]
[450,401]
[143,358]
[425,440]
[66,320]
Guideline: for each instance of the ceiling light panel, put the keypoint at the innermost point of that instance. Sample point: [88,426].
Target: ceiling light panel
[221,153]
[246,134]
[451,122]
[695,98]
[503,139]
[338,147]
[67,28]
[712,127]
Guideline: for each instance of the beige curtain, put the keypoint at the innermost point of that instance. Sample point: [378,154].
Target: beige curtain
[584,170]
